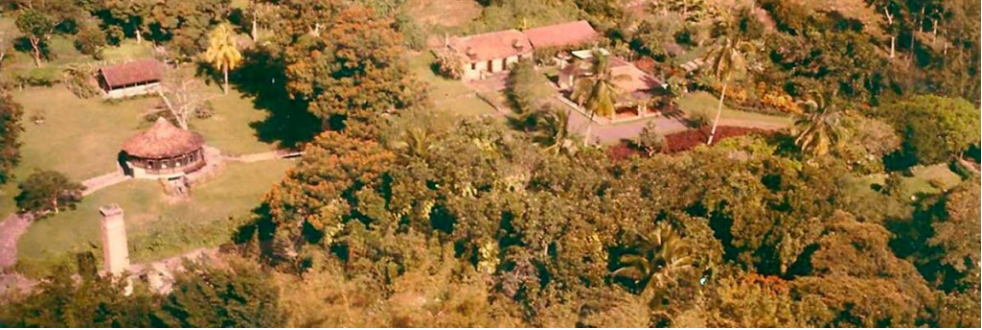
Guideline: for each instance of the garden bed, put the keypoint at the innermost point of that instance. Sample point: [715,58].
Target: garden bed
[683,141]
[687,140]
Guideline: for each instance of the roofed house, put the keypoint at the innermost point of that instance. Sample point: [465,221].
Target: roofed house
[163,151]
[131,78]
[569,34]
[488,53]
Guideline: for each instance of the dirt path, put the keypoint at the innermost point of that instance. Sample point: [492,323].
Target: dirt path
[106,180]
[264,156]
[10,230]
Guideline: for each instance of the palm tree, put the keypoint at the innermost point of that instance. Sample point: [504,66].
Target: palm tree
[553,130]
[661,256]
[726,59]
[818,131]
[221,52]
[597,92]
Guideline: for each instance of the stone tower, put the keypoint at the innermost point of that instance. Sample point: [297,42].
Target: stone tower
[115,252]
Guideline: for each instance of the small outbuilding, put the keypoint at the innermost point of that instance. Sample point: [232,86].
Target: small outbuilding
[163,151]
[131,78]
[490,53]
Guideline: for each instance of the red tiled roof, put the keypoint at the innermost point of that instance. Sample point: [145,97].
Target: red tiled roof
[132,73]
[493,45]
[565,34]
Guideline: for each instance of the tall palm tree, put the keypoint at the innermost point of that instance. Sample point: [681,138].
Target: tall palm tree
[597,92]
[818,131]
[661,256]
[221,52]
[727,58]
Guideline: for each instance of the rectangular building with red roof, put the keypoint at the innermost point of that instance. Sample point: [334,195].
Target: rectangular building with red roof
[131,78]
[489,53]
[562,35]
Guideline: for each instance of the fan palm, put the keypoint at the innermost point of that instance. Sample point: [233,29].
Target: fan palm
[727,58]
[221,52]
[661,256]
[597,92]
[818,131]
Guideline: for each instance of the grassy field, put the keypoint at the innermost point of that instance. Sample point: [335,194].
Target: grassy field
[448,94]
[7,193]
[923,180]
[931,179]
[703,101]
[157,225]
[435,11]
[80,138]
[228,129]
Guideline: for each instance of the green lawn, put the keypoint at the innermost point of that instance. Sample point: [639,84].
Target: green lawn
[447,94]
[7,206]
[924,180]
[703,101]
[228,129]
[80,138]
[931,179]
[157,225]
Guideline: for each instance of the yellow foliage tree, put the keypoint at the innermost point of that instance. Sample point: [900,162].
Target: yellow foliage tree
[221,52]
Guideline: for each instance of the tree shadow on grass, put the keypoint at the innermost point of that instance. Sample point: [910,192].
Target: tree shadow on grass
[262,77]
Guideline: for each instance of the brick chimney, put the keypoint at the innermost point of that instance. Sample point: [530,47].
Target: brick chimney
[115,251]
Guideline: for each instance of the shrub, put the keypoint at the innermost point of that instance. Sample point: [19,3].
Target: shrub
[78,80]
[700,118]
[37,77]
[449,63]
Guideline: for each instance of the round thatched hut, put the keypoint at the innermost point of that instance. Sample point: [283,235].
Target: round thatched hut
[163,151]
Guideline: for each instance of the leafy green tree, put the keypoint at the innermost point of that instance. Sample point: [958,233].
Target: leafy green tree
[221,52]
[90,40]
[856,257]
[48,191]
[352,72]
[184,25]
[313,196]
[91,301]
[37,26]
[527,88]
[10,128]
[956,234]
[131,17]
[650,140]
[819,131]
[207,296]
[935,129]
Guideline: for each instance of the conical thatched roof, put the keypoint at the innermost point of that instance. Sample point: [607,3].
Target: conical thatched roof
[163,140]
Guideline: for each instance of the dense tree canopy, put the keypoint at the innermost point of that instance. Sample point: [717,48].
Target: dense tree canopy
[935,129]
[400,213]
[351,71]
[10,130]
